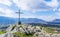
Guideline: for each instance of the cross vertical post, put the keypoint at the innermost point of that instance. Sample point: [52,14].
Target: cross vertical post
[19,22]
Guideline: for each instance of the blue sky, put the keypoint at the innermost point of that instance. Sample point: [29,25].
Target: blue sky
[42,9]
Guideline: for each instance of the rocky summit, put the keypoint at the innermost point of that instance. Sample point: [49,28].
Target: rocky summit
[28,31]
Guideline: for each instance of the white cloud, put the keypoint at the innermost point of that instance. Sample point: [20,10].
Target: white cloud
[5,2]
[57,15]
[21,4]
[27,16]
[35,4]
[59,9]
[1,10]
[53,3]
[7,13]
[32,4]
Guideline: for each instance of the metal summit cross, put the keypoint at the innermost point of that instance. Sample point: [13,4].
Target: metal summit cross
[19,22]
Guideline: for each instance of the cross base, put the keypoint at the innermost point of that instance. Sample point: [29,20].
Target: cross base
[19,23]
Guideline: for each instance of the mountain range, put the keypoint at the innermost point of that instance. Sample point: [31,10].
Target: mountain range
[56,21]
[7,20]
